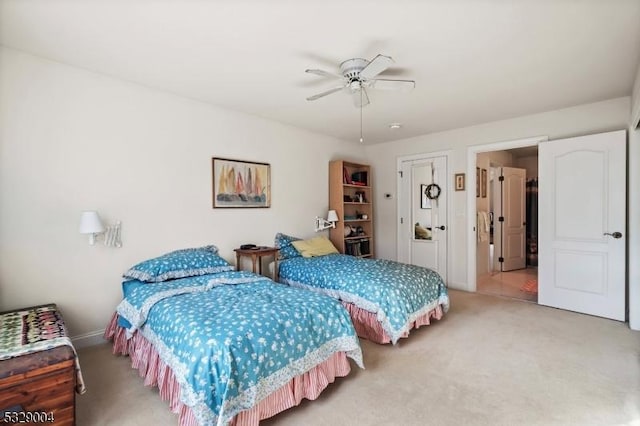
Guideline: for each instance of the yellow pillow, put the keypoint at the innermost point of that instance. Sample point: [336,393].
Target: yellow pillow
[316,246]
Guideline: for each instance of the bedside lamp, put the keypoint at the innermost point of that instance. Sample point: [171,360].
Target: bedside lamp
[330,222]
[91,224]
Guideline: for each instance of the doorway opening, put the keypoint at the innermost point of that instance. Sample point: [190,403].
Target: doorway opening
[505,213]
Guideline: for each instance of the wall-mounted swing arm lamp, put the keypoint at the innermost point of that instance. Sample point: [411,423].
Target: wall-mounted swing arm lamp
[91,224]
[330,222]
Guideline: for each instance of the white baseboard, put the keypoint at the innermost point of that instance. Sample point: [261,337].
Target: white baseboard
[458,286]
[88,339]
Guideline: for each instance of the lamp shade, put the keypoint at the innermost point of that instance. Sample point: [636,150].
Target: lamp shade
[90,223]
[332,216]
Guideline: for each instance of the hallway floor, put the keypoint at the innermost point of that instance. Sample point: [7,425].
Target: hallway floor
[508,284]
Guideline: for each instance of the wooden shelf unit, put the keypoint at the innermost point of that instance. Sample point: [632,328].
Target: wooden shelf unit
[344,198]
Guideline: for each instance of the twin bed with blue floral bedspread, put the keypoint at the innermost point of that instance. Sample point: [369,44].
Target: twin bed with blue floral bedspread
[232,338]
[397,294]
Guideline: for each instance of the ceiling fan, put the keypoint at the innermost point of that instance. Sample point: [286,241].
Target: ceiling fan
[357,75]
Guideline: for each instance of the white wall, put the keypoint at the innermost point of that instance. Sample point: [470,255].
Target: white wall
[500,158]
[529,163]
[72,140]
[585,119]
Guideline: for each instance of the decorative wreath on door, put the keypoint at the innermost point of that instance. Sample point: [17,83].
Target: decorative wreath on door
[432,191]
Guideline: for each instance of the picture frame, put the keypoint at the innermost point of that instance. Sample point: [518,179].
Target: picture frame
[477,182]
[483,183]
[425,202]
[240,183]
[459,181]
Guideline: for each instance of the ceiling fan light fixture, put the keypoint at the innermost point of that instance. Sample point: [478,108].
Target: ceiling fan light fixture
[355,85]
[395,126]
[350,69]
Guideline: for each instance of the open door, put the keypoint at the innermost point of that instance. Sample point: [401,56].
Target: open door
[582,223]
[513,218]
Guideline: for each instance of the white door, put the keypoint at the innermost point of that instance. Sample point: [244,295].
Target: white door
[495,209]
[513,183]
[582,209]
[423,216]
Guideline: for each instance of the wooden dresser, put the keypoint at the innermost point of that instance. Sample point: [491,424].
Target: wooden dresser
[39,387]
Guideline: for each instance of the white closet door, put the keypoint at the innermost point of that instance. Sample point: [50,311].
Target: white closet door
[415,208]
[514,218]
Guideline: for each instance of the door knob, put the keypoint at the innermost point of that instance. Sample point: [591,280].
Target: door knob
[442,227]
[615,235]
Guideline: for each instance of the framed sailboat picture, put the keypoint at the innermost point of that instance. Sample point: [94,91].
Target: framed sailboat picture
[238,183]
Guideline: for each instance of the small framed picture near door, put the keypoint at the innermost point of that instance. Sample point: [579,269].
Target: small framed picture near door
[483,183]
[459,181]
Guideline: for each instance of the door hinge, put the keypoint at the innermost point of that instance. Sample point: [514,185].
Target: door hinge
[401,220]
[501,259]
[401,173]
[501,178]
[501,219]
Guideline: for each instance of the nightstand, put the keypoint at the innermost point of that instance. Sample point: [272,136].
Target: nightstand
[256,255]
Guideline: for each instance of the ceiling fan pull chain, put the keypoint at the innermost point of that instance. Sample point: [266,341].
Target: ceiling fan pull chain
[361,138]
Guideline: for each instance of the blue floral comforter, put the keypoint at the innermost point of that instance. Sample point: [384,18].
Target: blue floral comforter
[397,293]
[232,338]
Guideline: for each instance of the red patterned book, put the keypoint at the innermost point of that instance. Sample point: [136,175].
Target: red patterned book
[345,176]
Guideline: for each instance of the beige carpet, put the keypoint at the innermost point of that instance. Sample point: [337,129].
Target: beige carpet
[490,361]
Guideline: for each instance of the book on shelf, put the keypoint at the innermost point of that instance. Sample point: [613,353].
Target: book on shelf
[360,178]
[345,176]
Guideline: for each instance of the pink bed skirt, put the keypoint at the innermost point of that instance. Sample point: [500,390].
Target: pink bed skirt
[155,372]
[368,327]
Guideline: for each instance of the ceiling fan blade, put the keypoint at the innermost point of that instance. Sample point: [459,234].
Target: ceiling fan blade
[328,92]
[386,84]
[376,66]
[360,97]
[395,72]
[323,73]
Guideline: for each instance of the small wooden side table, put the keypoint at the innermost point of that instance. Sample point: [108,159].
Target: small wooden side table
[257,254]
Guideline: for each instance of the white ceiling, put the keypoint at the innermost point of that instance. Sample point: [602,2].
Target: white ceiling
[473,61]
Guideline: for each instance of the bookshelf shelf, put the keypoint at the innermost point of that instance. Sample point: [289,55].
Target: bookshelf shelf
[358,237]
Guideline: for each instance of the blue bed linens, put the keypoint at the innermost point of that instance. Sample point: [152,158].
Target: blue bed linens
[396,292]
[233,338]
